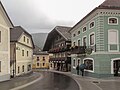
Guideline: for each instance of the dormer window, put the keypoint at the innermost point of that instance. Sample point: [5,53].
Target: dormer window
[92,24]
[112,20]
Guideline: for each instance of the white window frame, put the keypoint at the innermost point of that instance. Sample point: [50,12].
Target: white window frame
[80,42]
[94,38]
[93,64]
[112,23]
[84,27]
[86,39]
[111,43]
[90,23]
[73,63]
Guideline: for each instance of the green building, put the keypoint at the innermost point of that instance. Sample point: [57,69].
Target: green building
[96,41]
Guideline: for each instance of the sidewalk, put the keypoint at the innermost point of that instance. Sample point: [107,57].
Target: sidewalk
[90,83]
[18,81]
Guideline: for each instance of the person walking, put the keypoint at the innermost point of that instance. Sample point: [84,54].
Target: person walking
[77,68]
[82,67]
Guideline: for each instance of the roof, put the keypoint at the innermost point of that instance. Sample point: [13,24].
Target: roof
[37,51]
[107,4]
[10,22]
[62,30]
[16,32]
[111,3]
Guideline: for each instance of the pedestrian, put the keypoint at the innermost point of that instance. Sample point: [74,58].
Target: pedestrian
[82,67]
[77,68]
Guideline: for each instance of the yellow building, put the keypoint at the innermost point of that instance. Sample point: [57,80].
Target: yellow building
[40,59]
[21,51]
[5,25]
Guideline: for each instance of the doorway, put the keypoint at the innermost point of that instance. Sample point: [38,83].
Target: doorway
[116,67]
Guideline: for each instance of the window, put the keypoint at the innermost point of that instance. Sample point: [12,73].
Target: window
[113,20]
[78,32]
[0,36]
[78,42]
[23,68]
[43,64]
[113,40]
[84,41]
[78,61]
[27,40]
[18,69]
[29,67]
[74,62]
[24,38]
[43,58]
[22,52]
[92,24]
[89,64]
[37,64]
[84,29]
[92,39]
[27,53]
[74,35]
[73,43]
[0,66]
[38,59]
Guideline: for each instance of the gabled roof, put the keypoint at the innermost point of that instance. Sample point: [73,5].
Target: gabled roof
[16,33]
[107,4]
[6,15]
[62,30]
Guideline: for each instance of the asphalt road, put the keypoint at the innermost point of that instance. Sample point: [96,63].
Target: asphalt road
[53,81]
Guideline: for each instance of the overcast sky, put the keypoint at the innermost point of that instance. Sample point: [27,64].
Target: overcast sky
[43,15]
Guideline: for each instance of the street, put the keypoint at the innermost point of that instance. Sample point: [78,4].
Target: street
[53,81]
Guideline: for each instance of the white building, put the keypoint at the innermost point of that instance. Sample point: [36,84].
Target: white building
[5,25]
[21,51]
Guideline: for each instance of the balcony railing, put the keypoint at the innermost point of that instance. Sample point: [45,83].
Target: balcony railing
[78,50]
[59,49]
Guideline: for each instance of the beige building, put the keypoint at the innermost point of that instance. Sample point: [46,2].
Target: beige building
[21,51]
[40,59]
[5,25]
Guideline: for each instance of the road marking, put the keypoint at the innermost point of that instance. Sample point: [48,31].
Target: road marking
[97,86]
[30,83]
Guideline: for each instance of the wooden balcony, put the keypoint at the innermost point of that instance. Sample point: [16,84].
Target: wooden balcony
[78,50]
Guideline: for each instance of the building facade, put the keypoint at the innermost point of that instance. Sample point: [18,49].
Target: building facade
[58,43]
[21,51]
[5,25]
[40,59]
[98,36]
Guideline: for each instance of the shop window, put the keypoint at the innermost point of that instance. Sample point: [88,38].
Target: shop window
[74,62]
[89,64]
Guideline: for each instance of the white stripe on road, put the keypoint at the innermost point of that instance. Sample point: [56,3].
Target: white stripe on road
[25,85]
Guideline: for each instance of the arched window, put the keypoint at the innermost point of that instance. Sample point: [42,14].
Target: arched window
[89,62]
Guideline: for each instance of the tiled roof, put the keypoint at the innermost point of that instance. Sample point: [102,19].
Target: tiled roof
[110,3]
[64,31]
[16,32]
